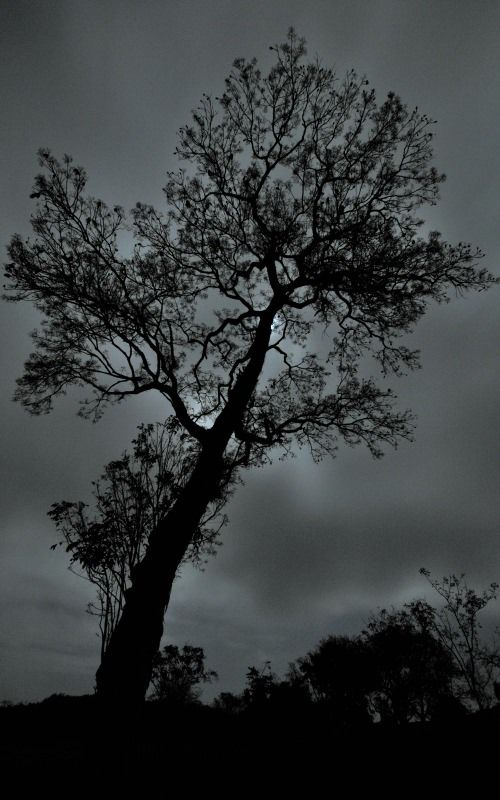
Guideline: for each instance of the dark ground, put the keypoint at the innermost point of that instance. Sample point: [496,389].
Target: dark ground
[68,741]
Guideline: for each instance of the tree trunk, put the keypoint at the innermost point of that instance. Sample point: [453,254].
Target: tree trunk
[125,670]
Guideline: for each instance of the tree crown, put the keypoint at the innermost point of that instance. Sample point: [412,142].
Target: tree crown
[297,209]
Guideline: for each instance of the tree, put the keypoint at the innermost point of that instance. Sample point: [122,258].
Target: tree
[340,676]
[413,672]
[296,212]
[176,674]
[134,494]
[458,628]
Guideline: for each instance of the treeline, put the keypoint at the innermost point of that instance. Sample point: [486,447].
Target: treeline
[418,663]
[415,677]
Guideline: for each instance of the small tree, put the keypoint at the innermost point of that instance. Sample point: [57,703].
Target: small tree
[134,493]
[177,674]
[297,212]
[457,626]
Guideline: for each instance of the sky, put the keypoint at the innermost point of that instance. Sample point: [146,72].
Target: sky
[310,549]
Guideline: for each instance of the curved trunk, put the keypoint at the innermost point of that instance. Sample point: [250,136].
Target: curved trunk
[125,670]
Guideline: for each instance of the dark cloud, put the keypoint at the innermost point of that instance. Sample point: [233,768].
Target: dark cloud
[310,549]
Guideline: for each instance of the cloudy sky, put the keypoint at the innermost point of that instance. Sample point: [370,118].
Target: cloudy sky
[310,549]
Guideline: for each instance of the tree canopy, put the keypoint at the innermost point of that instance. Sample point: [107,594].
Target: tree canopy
[297,209]
[413,671]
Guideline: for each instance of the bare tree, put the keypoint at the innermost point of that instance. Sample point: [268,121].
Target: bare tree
[457,626]
[135,492]
[296,213]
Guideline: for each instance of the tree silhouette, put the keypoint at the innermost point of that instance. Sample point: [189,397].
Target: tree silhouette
[296,213]
[340,675]
[134,493]
[413,672]
[457,626]
[260,685]
[177,674]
